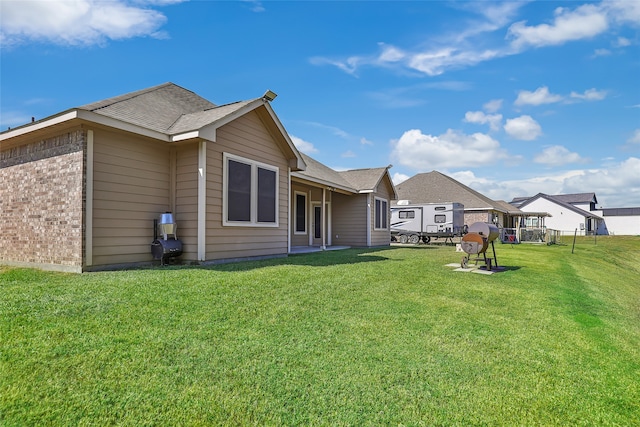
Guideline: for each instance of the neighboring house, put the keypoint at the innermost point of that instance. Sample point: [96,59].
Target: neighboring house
[80,190]
[567,213]
[435,187]
[578,212]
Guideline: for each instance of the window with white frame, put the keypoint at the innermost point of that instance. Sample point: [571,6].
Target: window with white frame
[250,192]
[300,214]
[381,221]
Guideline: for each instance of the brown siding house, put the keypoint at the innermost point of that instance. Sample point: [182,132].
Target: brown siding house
[80,190]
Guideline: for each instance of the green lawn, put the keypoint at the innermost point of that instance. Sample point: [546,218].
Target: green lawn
[355,337]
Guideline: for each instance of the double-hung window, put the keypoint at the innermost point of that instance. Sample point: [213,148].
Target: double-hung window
[381,214]
[250,194]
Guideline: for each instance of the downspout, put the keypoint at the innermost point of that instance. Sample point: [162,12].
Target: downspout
[202,200]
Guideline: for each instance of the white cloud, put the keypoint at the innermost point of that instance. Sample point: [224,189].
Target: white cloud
[77,22]
[623,42]
[398,178]
[255,5]
[622,11]
[494,120]
[493,106]
[348,154]
[538,97]
[390,53]
[524,128]
[590,95]
[635,138]
[436,62]
[468,46]
[583,22]
[542,96]
[557,155]
[616,185]
[365,141]
[453,149]
[304,146]
[601,52]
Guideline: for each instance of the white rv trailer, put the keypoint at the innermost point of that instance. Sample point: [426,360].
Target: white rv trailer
[415,222]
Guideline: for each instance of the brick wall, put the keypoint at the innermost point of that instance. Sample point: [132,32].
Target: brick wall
[470,218]
[41,202]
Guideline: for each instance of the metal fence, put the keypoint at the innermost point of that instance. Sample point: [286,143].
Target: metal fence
[531,235]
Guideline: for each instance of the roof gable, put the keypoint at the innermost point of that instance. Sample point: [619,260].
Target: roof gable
[435,187]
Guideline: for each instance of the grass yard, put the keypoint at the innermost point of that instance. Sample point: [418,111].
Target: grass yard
[356,337]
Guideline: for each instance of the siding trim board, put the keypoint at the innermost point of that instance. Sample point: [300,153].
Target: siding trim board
[202,200]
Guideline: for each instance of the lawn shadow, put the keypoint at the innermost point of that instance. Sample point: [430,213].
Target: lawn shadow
[315,259]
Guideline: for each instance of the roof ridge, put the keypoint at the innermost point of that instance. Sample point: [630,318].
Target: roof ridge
[125,96]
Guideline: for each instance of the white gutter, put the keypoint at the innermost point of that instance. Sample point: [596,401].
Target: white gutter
[89,116]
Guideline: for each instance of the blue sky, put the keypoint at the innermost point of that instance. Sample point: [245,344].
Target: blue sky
[510,98]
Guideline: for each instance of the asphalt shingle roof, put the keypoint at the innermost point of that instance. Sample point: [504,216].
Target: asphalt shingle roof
[356,180]
[364,179]
[316,171]
[156,108]
[435,187]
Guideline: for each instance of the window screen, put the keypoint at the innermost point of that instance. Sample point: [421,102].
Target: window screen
[239,191]
[266,195]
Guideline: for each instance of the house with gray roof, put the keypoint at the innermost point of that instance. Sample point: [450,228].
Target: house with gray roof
[566,213]
[579,212]
[436,187]
[80,189]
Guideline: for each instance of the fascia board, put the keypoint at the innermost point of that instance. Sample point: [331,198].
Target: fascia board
[61,118]
[187,135]
[87,116]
